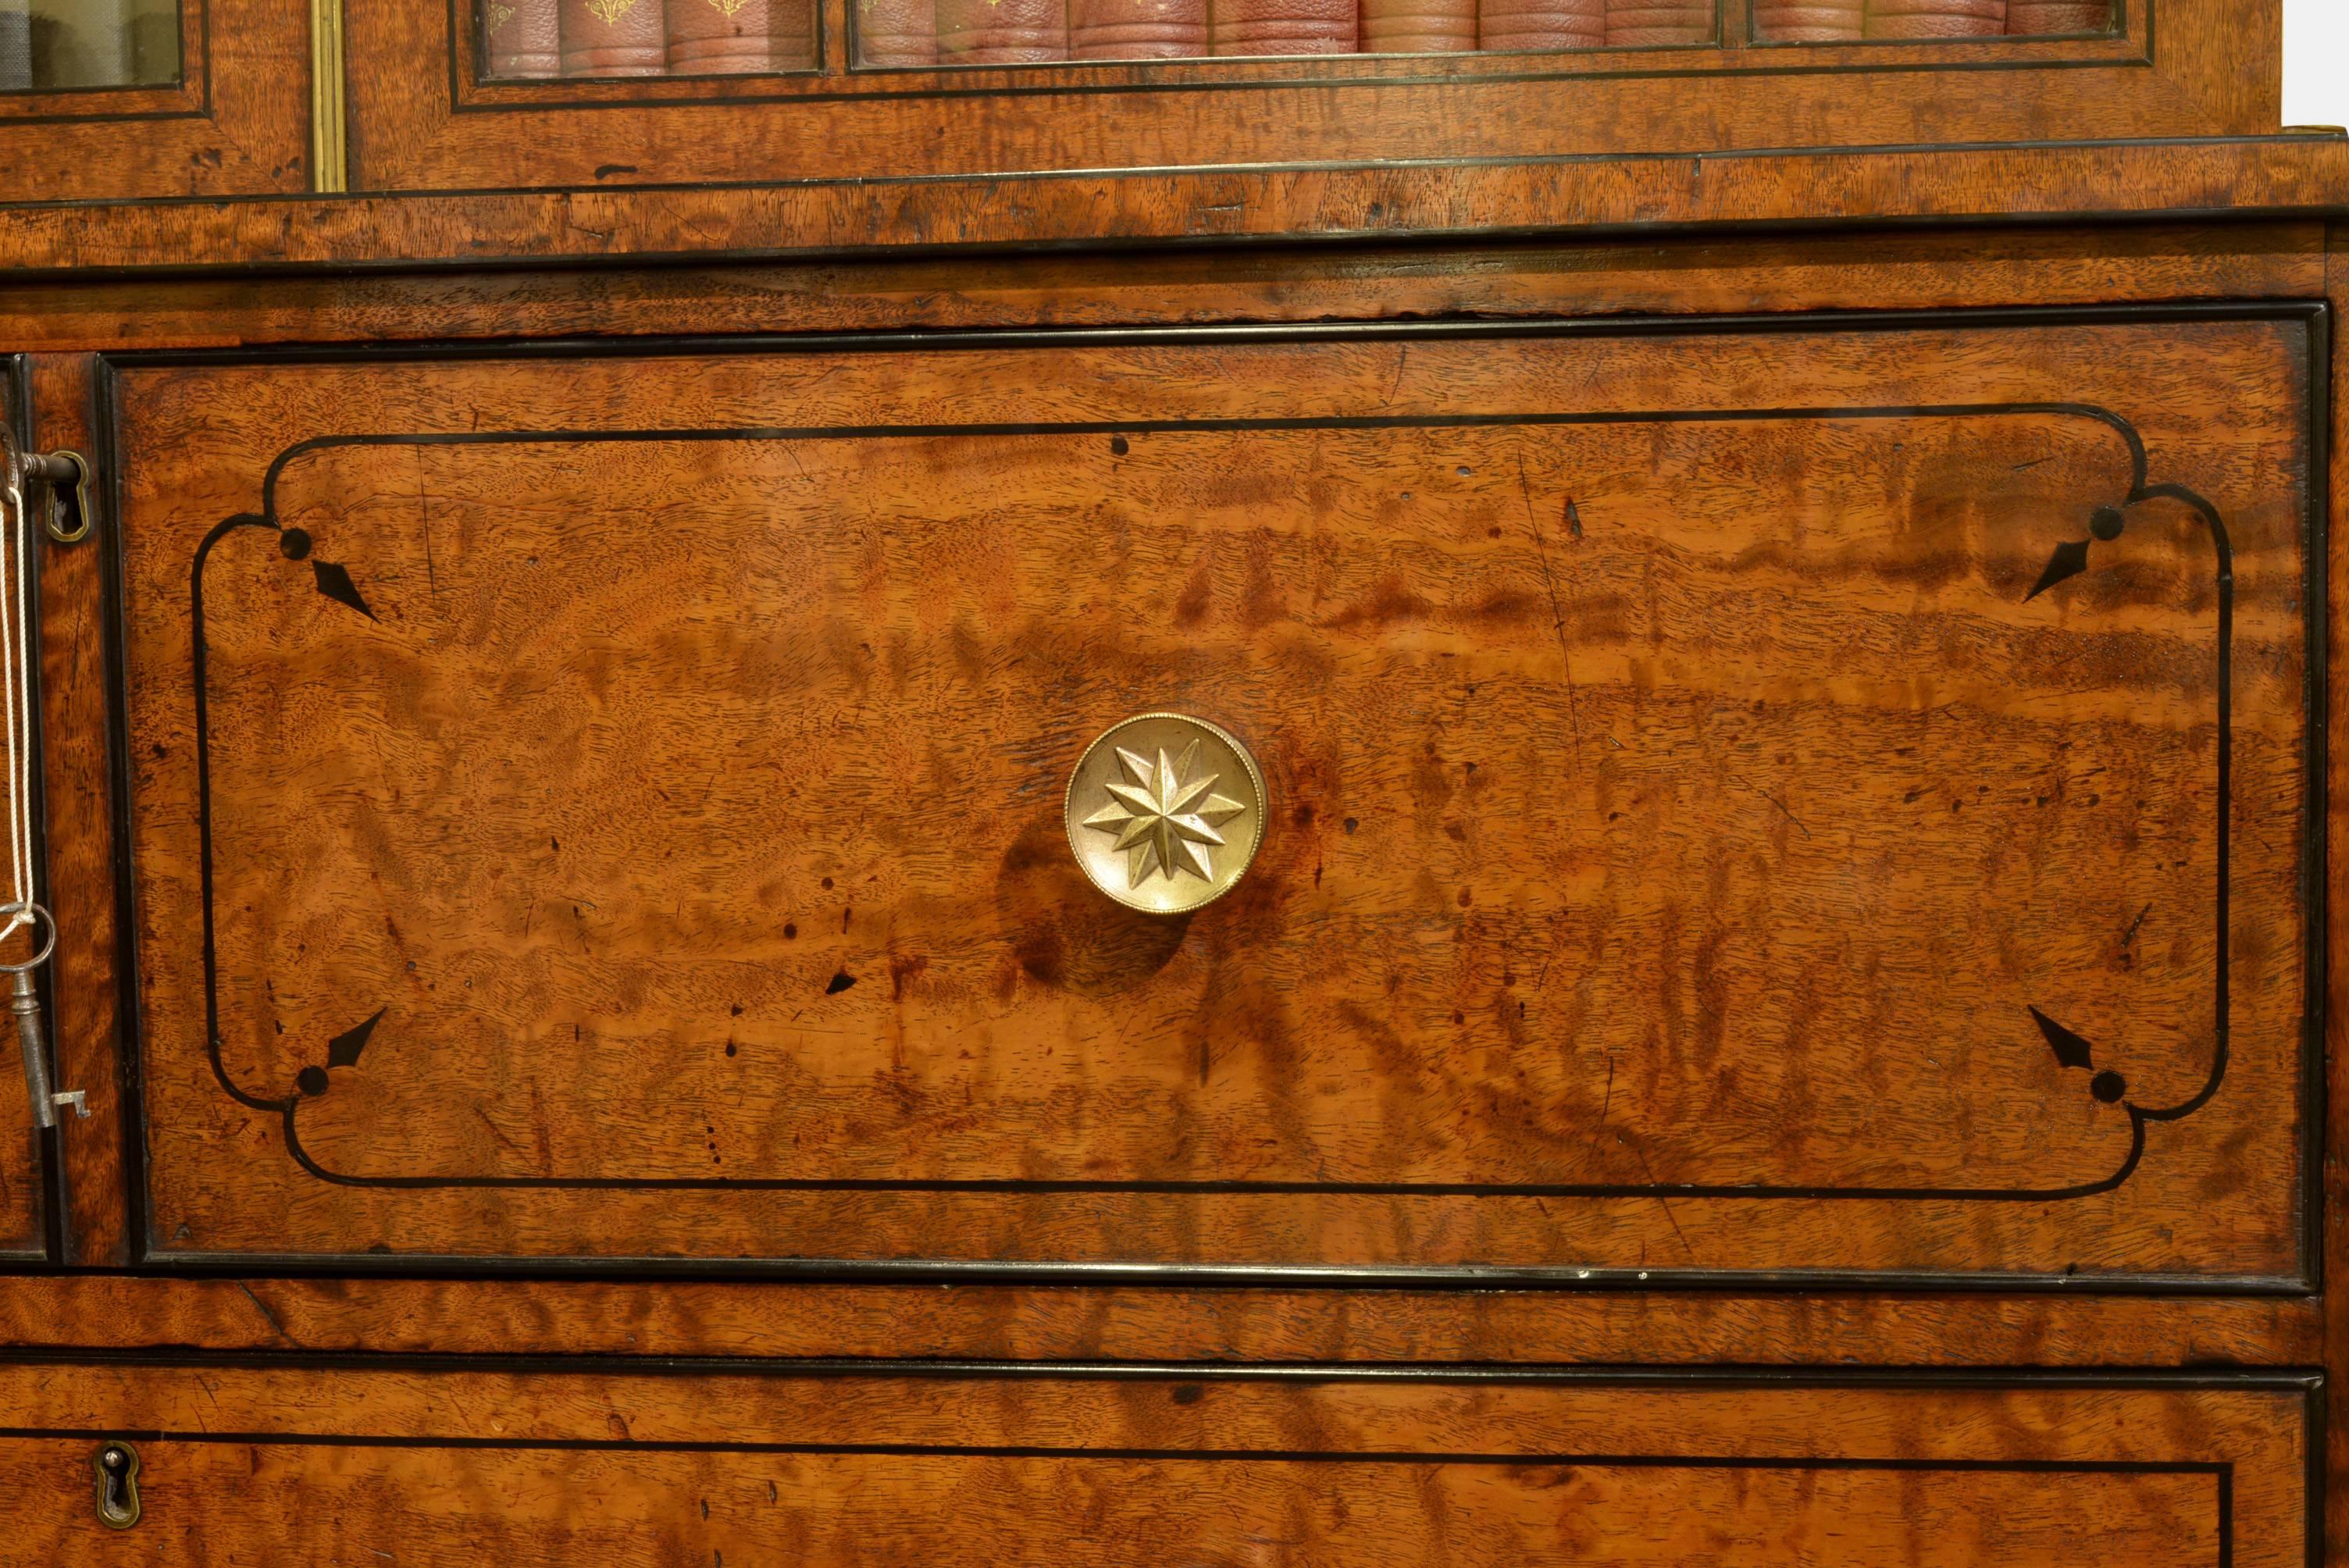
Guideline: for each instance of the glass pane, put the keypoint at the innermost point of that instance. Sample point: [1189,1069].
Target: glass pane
[1846,21]
[647,37]
[528,38]
[56,46]
[1019,32]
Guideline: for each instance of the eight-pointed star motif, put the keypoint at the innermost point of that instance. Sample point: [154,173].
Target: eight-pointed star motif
[1165,820]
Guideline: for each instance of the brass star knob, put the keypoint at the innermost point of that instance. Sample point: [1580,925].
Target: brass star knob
[1164,812]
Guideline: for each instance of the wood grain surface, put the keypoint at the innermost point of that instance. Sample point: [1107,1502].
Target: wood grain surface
[2335,1186]
[2222,182]
[1656,273]
[255,1463]
[1233,1325]
[24,1231]
[1630,755]
[246,1463]
[522,1505]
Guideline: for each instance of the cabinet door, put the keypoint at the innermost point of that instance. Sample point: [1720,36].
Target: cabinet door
[127,98]
[845,107]
[1788,800]
[954,1464]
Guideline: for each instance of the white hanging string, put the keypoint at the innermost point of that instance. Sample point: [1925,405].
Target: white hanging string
[16,690]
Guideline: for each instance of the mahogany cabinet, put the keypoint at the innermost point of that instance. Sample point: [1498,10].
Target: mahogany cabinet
[1515,806]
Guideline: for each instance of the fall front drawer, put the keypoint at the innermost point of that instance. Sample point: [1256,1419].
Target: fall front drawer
[279,1460]
[1799,798]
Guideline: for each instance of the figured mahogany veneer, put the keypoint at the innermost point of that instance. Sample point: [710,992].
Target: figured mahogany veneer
[958,1463]
[1639,675]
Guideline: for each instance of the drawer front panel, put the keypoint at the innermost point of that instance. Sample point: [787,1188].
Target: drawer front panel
[1753,800]
[1037,1466]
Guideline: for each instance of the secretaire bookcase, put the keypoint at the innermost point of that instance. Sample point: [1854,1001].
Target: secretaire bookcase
[1211,782]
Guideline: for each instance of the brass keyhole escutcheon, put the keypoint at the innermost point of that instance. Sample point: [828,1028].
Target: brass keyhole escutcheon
[116,1464]
[69,507]
[1164,812]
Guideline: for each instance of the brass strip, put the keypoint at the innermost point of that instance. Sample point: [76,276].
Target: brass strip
[329,146]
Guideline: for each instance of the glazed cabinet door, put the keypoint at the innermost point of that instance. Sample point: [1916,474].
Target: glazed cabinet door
[115,99]
[840,109]
[1800,799]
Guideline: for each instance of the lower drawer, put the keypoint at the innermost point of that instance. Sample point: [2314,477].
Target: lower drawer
[367,1463]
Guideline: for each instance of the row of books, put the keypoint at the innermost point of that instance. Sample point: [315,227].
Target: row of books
[1844,21]
[1015,32]
[529,38]
[694,38]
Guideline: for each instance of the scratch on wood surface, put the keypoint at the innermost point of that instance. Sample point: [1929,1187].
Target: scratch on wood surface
[1748,784]
[1556,610]
[1662,1201]
[262,1307]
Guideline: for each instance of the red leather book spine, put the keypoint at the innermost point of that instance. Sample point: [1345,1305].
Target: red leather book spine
[1936,18]
[1419,26]
[613,38]
[714,37]
[1630,22]
[896,33]
[1284,26]
[1137,29]
[524,37]
[2029,16]
[1001,32]
[1810,21]
[1542,25]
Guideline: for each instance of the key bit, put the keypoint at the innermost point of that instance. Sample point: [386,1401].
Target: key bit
[25,1003]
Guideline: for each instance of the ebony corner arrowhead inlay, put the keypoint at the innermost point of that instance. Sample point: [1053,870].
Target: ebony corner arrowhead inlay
[334,582]
[2073,1051]
[343,1050]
